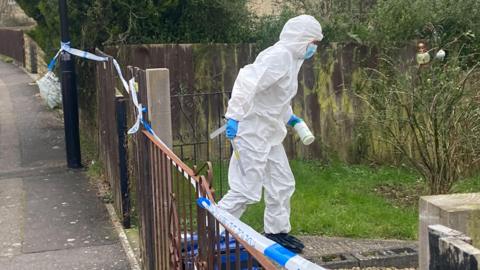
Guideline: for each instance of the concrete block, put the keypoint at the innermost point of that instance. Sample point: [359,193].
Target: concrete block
[451,250]
[336,261]
[460,212]
[396,257]
[437,231]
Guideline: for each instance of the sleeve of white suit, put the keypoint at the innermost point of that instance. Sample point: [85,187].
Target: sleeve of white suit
[254,78]
[286,116]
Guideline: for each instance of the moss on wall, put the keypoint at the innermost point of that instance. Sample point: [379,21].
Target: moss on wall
[202,76]
[328,103]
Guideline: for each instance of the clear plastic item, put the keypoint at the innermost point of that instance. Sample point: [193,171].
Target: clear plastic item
[217,132]
[304,133]
[50,90]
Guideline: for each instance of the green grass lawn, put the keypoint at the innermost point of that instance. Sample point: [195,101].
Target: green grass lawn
[469,185]
[354,201]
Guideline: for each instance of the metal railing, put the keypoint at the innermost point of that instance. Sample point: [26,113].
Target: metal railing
[185,236]
[176,233]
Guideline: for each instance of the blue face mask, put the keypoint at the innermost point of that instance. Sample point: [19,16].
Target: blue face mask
[311,50]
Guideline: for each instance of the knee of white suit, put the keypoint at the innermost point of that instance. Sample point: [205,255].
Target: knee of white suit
[234,203]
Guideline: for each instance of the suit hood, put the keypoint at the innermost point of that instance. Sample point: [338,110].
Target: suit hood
[298,32]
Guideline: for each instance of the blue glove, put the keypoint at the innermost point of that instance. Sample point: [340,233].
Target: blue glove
[294,120]
[232,128]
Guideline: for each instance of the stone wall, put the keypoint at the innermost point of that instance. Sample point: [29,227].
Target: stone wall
[460,212]
[451,250]
[11,15]
[34,57]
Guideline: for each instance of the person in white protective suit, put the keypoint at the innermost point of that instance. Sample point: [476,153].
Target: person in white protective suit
[258,112]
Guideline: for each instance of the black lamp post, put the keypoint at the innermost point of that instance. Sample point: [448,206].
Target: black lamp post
[69,95]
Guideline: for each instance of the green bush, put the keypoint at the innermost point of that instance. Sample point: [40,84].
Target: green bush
[437,22]
[268,28]
[430,115]
[94,23]
[395,23]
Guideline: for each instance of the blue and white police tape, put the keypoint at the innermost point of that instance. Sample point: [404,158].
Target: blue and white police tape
[130,87]
[138,106]
[65,46]
[51,65]
[269,248]
[120,74]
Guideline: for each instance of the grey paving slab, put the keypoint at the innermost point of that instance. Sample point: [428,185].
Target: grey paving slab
[14,76]
[62,211]
[9,139]
[33,171]
[26,122]
[91,258]
[42,149]
[11,217]
[41,131]
[9,157]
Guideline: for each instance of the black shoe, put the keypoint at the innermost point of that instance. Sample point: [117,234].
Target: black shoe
[287,241]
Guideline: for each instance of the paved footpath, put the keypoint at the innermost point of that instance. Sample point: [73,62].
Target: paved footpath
[50,217]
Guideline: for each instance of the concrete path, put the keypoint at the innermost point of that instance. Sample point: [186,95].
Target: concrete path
[50,217]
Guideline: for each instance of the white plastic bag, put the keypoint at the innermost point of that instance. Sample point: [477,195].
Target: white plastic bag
[50,90]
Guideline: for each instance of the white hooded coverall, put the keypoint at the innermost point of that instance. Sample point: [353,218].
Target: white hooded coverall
[260,101]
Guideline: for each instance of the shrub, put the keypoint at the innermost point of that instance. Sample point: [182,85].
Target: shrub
[393,23]
[430,114]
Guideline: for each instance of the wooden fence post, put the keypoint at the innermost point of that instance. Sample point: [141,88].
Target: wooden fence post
[159,110]
[123,190]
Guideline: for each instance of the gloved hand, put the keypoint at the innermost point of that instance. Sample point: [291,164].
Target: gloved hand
[232,128]
[294,120]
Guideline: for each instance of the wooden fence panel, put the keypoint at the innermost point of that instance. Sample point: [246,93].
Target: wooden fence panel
[202,76]
[13,45]
[111,119]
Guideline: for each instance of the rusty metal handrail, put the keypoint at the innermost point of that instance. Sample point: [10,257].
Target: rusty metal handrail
[170,154]
[205,190]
